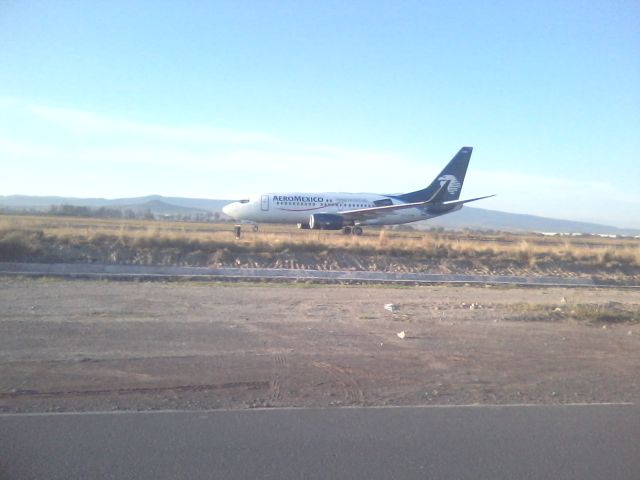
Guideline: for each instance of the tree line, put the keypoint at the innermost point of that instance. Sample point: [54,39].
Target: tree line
[66,210]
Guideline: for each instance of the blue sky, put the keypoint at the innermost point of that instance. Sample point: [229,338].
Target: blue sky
[222,99]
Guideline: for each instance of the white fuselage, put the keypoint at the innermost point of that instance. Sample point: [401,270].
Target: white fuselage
[298,207]
[347,211]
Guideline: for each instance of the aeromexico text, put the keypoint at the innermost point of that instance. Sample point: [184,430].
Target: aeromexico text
[297,198]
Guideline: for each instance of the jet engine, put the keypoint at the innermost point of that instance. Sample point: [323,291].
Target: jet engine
[325,221]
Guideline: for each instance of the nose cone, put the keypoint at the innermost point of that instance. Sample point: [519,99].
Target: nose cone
[229,210]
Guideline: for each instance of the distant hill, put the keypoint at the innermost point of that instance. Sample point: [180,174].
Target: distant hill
[481,219]
[159,207]
[468,217]
[23,202]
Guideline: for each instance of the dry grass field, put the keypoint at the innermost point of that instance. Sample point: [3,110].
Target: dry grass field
[56,239]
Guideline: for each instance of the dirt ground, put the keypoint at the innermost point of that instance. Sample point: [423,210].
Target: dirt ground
[93,345]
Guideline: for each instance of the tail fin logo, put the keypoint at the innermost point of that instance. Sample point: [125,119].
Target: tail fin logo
[454,183]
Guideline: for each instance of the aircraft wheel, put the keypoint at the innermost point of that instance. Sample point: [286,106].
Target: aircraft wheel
[346,230]
[357,231]
[255,228]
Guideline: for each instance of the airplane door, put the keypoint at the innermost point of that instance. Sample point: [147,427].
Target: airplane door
[264,204]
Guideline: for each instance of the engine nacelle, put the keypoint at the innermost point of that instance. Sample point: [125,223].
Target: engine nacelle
[325,221]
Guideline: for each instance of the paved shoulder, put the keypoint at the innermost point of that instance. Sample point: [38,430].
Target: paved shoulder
[560,442]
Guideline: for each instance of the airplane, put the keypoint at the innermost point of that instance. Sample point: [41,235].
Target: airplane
[350,211]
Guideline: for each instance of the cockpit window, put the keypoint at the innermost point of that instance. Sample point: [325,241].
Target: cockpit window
[244,201]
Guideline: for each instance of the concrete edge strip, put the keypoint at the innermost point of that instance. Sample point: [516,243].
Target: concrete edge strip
[337,409]
[101,271]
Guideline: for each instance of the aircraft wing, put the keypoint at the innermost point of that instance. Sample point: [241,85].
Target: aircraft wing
[373,212]
[378,211]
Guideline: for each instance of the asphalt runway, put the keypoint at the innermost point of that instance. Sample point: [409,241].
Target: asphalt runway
[478,442]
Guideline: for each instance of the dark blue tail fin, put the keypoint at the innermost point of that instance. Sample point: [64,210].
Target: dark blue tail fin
[454,172]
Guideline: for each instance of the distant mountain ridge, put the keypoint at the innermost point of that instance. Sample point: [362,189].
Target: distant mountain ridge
[482,219]
[468,217]
[159,207]
[43,203]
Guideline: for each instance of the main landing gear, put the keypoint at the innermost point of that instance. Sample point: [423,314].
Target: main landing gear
[352,231]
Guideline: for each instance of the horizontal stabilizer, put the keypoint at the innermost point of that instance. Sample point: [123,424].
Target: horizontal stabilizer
[460,202]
